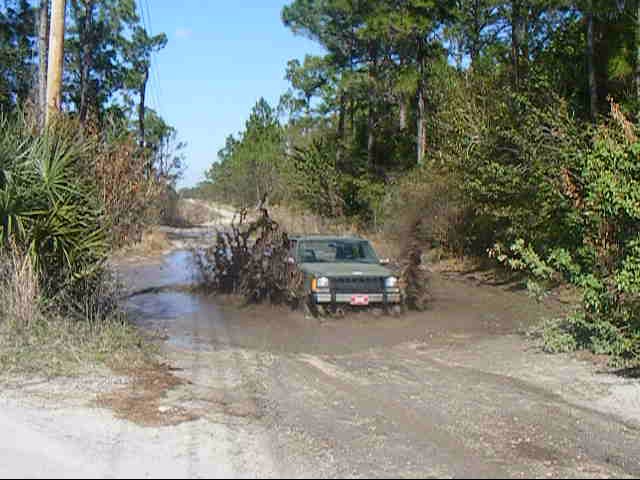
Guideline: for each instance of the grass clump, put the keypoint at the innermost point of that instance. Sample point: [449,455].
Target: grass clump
[556,338]
[37,337]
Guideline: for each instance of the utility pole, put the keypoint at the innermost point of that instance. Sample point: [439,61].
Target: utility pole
[591,69]
[43,52]
[56,58]
[638,56]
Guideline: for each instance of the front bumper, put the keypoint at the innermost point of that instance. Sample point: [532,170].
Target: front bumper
[392,297]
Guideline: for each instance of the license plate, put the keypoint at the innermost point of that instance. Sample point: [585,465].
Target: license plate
[360,300]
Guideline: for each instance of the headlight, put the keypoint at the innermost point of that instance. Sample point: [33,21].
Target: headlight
[323,282]
[391,282]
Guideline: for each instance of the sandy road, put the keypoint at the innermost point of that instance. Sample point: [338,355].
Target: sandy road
[83,443]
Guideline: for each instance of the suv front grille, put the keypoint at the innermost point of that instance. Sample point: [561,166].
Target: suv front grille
[358,284]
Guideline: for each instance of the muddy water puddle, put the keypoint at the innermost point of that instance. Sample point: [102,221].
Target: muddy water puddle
[163,300]
[172,270]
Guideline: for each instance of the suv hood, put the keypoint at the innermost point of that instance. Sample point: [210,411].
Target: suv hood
[345,269]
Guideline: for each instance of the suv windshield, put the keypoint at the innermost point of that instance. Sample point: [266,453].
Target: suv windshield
[332,251]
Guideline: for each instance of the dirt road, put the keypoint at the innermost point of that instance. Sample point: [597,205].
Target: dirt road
[452,392]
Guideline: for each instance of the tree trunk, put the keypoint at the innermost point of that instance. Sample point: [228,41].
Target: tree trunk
[474,49]
[43,52]
[371,140]
[519,42]
[524,41]
[591,72]
[55,63]
[638,57]
[402,105]
[421,126]
[85,76]
[371,115]
[401,98]
[141,107]
[340,133]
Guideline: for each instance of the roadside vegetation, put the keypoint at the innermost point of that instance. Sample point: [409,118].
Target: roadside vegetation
[59,308]
[500,130]
[38,337]
[89,183]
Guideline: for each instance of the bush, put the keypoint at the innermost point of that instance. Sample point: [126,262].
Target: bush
[49,206]
[68,196]
[37,337]
[19,290]
[557,337]
[606,263]
[507,152]
[131,195]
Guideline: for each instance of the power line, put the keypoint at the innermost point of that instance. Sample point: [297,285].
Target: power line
[148,10]
[154,81]
[154,63]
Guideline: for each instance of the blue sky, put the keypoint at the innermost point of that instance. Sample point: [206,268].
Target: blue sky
[220,59]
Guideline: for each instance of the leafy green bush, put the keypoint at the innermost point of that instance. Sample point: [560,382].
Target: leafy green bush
[315,179]
[557,338]
[507,150]
[605,264]
[49,206]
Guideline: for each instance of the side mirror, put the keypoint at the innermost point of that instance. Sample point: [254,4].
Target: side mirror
[385,261]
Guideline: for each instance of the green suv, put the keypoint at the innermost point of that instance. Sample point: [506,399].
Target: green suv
[341,271]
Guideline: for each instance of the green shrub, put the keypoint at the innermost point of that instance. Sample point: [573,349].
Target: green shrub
[557,338]
[604,190]
[49,206]
[507,150]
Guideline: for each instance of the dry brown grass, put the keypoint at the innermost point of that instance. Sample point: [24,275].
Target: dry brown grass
[297,222]
[154,241]
[385,247]
[427,207]
[441,262]
[197,212]
[19,291]
[36,339]
[190,212]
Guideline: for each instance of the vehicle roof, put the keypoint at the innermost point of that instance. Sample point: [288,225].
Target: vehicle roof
[325,237]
